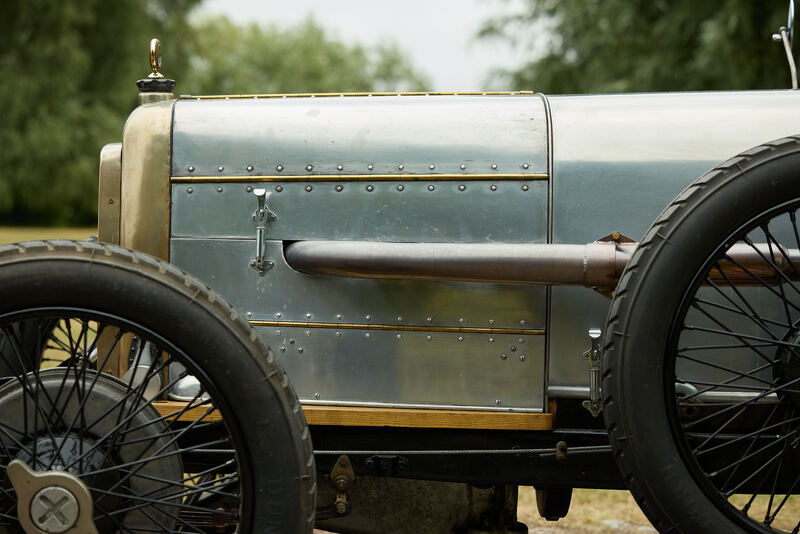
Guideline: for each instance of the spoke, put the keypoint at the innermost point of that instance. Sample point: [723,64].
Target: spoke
[758,279]
[744,436]
[744,402]
[727,329]
[743,336]
[742,374]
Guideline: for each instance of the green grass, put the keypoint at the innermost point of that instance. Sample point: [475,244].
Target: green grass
[12,234]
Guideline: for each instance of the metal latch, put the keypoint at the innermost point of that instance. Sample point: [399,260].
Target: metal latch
[595,357]
[262,215]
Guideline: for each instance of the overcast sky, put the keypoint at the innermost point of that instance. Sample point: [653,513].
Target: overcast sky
[437,35]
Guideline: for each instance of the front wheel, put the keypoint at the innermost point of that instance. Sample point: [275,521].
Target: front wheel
[702,353]
[92,340]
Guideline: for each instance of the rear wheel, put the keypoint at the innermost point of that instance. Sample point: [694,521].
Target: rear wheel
[702,353]
[89,339]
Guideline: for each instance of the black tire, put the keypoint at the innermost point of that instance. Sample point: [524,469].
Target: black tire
[699,369]
[253,470]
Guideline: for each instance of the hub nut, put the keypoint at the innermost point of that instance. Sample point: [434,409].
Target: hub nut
[54,510]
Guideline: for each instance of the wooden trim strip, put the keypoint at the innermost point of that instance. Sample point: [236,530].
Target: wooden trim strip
[426,418]
[391,417]
[361,178]
[338,95]
[402,328]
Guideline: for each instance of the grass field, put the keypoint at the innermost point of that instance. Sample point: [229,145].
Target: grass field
[12,234]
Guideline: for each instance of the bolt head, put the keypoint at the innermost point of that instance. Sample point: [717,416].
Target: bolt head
[279,168]
[370,167]
[341,508]
[401,167]
[340,167]
[462,167]
[309,168]
[220,168]
[249,168]
[54,510]
[190,168]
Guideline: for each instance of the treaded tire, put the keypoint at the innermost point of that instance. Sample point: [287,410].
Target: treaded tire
[639,360]
[257,403]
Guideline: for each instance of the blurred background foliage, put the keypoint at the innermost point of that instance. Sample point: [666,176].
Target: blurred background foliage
[69,70]
[615,46]
[69,67]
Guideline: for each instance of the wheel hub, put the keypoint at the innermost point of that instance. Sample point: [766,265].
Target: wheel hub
[786,367]
[53,502]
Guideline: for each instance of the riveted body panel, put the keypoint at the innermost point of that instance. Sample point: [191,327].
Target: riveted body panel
[394,134]
[449,169]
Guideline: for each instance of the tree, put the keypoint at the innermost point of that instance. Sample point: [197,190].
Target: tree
[69,70]
[233,59]
[595,46]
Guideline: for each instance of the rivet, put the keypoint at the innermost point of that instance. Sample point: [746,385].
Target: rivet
[431,166]
[494,166]
[493,187]
[615,236]
[370,188]
[277,332]
[429,319]
[428,337]
[338,316]
[525,165]
[110,200]
[491,340]
[462,187]
[513,348]
[503,356]
[522,322]
[461,320]
[368,317]
[300,350]
[278,315]
[522,357]
[220,168]
[399,319]
[524,187]
[491,321]
[279,168]
[316,395]
[190,168]
[340,167]
[249,188]
[308,316]
[498,402]
[399,336]
[461,338]
[462,167]
[370,167]
[249,168]
[430,188]
[400,187]
[283,349]
[401,167]
[309,168]
[521,340]
[291,341]
[308,188]
[189,190]
[249,314]
[367,335]
[338,334]
[219,189]
[278,188]
[339,188]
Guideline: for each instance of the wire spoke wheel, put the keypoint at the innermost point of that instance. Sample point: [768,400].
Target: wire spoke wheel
[149,463]
[701,376]
[146,392]
[736,359]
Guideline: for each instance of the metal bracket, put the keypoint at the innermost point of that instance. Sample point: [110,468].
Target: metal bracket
[595,357]
[342,476]
[262,215]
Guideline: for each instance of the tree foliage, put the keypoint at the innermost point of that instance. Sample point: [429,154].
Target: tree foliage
[596,46]
[69,70]
[233,59]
